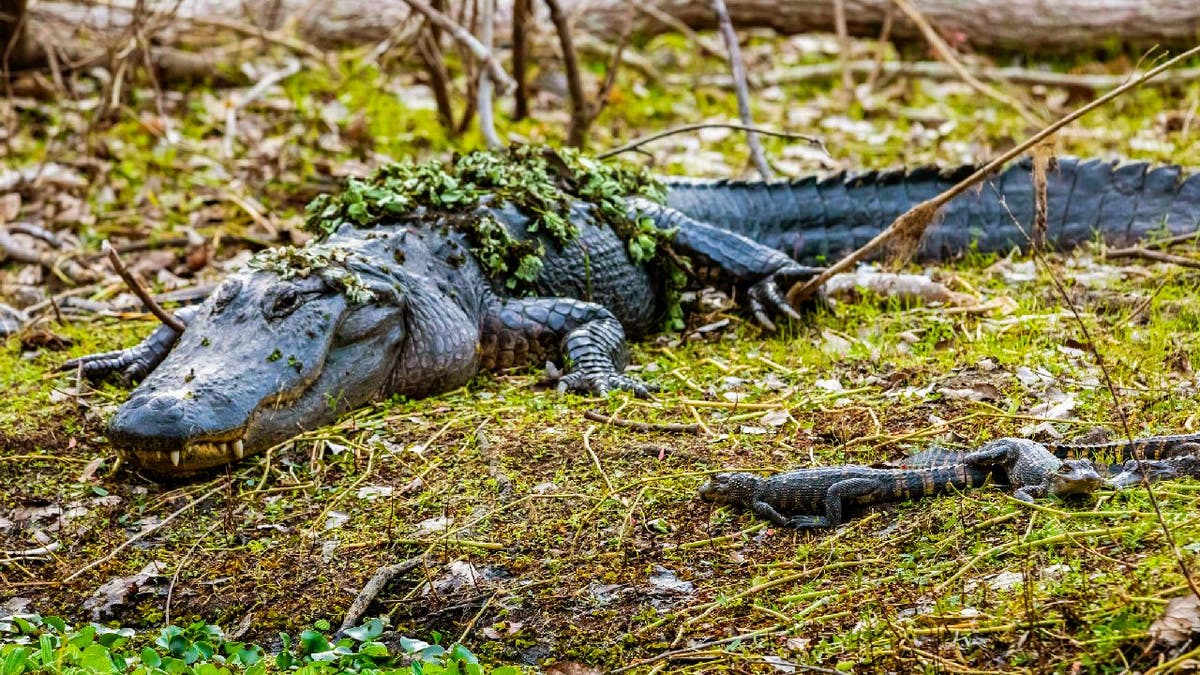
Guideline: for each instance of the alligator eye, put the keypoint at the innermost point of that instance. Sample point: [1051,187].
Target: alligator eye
[285,302]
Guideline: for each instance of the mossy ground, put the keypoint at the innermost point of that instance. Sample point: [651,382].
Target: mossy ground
[588,542]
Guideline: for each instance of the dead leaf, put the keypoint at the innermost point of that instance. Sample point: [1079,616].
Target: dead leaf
[118,591]
[1179,623]
[10,207]
[89,471]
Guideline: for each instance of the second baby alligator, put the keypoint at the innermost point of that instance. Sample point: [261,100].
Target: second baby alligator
[406,306]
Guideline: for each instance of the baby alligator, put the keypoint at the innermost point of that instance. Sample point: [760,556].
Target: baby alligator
[1155,470]
[1151,447]
[1031,468]
[797,498]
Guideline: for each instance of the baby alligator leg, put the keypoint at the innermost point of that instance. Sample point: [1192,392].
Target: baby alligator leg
[845,489]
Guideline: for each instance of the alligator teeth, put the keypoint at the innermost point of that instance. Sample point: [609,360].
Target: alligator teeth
[175,457]
[239,449]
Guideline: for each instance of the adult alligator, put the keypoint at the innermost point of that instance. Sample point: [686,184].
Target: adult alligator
[403,307]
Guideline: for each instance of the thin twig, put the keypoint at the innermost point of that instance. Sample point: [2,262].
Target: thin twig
[738,68]
[382,577]
[936,70]
[587,444]
[946,53]
[579,114]
[641,426]
[522,12]
[163,315]
[614,67]
[1157,256]
[683,129]
[463,36]
[146,532]
[487,123]
[843,36]
[912,223]
[702,43]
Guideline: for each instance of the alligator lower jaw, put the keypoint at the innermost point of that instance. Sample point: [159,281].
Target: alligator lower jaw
[193,458]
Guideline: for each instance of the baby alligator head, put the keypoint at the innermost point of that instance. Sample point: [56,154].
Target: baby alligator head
[730,488]
[265,358]
[1075,477]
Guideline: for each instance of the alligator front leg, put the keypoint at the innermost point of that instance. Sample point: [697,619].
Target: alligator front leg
[764,273]
[136,362]
[587,336]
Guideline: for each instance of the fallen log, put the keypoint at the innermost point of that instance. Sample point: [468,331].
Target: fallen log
[1023,25]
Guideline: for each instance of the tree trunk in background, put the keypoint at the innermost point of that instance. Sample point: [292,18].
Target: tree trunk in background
[15,49]
[1024,25]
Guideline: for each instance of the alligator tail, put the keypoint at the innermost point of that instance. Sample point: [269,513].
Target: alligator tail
[1153,447]
[819,221]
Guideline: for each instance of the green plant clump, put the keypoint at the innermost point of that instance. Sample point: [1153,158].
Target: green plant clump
[539,180]
[290,262]
[32,644]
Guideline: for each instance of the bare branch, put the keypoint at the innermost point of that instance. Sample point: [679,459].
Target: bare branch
[163,315]
[579,114]
[522,11]
[738,68]
[464,37]
[945,53]
[639,142]
[487,123]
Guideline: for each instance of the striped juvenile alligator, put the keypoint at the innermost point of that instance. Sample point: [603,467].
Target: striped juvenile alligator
[1028,467]
[271,354]
[1154,470]
[816,497]
[1150,447]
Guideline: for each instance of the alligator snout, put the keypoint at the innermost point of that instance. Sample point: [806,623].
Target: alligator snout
[162,430]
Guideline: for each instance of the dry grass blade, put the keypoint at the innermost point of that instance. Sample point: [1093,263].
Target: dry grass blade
[685,128]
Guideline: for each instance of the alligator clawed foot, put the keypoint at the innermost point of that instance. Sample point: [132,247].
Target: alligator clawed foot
[583,382]
[768,297]
[807,522]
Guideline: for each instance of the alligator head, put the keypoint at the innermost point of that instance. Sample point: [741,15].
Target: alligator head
[730,488]
[1075,477]
[272,354]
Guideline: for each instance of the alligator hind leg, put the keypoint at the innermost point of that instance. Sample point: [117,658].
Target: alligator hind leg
[587,336]
[136,362]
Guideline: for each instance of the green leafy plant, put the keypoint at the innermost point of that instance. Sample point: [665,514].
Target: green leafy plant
[32,644]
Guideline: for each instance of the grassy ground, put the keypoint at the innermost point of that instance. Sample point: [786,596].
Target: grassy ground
[550,537]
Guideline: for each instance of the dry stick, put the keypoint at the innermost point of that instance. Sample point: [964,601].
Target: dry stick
[843,36]
[885,34]
[738,69]
[579,114]
[487,124]
[912,223]
[587,444]
[146,532]
[463,36]
[372,589]
[179,567]
[1157,256]
[652,11]
[614,66]
[163,315]
[641,426]
[1112,390]
[945,53]
[522,10]
[936,70]
[639,142]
